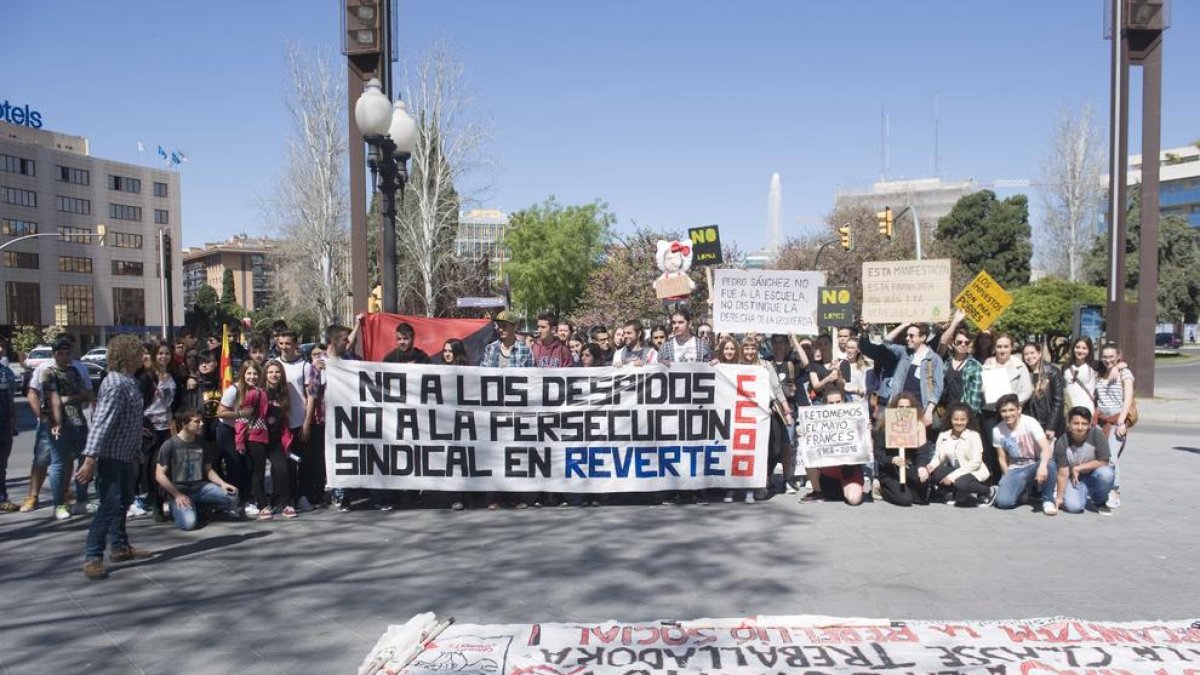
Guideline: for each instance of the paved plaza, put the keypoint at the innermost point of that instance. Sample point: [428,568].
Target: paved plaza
[312,595]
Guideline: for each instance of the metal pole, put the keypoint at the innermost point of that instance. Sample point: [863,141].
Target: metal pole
[1116,182]
[387,185]
[162,282]
[168,275]
[1146,312]
[358,194]
[817,259]
[916,229]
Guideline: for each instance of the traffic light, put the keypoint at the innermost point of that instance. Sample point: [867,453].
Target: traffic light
[844,234]
[886,222]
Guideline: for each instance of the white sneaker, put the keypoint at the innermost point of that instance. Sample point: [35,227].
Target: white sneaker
[1049,508]
[749,496]
[62,512]
[1114,499]
[251,510]
[789,488]
[728,498]
[304,504]
[136,509]
[876,489]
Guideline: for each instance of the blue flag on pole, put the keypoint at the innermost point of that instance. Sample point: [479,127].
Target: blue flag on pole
[162,153]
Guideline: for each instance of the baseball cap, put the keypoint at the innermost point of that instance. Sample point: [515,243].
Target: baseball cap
[504,316]
[62,344]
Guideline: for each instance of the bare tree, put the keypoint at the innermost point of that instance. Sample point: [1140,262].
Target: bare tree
[450,140]
[310,207]
[1071,192]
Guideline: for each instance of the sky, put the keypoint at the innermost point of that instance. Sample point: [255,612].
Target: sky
[675,113]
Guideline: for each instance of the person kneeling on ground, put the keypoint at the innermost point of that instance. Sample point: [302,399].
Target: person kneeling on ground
[915,488]
[846,478]
[1084,472]
[957,464]
[1025,457]
[181,472]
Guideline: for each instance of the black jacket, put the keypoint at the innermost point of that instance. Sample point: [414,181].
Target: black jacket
[1046,403]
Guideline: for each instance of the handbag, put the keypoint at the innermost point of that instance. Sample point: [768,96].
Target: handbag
[1131,417]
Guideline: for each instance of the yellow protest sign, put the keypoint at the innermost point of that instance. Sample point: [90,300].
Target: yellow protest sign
[983,300]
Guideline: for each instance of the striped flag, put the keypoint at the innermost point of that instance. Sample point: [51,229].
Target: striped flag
[226,360]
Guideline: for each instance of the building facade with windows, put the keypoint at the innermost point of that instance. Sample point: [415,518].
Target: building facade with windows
[481,235]
[1178,182]
[50,184]
[250,258]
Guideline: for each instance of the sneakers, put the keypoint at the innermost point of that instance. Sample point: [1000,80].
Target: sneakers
[29,504]
[790,488]
[991,496]
[304,505]
[8,506]
[94,570]
[749,497]
[91,507]
[1114,500]
[699,499]
[876,489]
[456,506]
[62,512]
[137,508]
[1049,508]
[344,506]
[129,553]
[812,497]
[728,498]
[289,512]
[265,514]
[251,510]
[1104,510]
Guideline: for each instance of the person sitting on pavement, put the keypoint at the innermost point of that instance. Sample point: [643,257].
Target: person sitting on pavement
[183,466]
[957,466]
[914,489]
[1025,457]
[1084,472]
[846,479]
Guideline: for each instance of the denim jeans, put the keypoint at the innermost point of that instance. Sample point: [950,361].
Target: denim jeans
[1017,481]
[1095,485]
[63,452]
[6,443]
[207,494]
[114,482]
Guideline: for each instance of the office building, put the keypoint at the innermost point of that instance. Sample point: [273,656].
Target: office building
[932,198]
[1178,182]
[481,235]
[250,258]
[51,185]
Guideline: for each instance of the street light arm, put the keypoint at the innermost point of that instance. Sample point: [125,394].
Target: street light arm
[47,234]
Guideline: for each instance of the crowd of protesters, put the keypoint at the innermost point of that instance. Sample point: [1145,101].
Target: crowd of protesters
[166,440]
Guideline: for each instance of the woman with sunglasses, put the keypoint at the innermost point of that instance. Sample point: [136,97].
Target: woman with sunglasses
[963,381]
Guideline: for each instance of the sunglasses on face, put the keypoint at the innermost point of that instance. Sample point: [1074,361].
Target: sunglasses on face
[962,343]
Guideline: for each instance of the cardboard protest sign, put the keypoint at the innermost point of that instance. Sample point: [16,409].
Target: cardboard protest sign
[766,301]
[833,435]
[984,300]
[906,290]
[674,259]
[593,430]
[706,245]
[793,644]
[995,382]
[901,428]
[836,307]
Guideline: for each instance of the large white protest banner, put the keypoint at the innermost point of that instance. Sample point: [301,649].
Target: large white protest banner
[833,435]
[765,301]
[794,644]
[594,430]
[897,291]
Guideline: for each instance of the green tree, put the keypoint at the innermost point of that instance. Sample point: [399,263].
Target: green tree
[554,250]
[1178,262]
[1045,308]
[204,316]
[231,312]
[984,233]
[26,338]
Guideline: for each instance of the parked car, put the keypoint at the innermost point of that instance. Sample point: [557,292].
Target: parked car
[37,356]
[1167,341]
[96,355]
[96,373]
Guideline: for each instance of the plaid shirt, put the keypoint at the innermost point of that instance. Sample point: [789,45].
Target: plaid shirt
[116,431]
[519,357]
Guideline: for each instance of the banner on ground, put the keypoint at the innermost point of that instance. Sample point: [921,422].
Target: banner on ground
[590,430]
[765,301]
[794,644]
[984,300]
[832,435]
[899,291]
